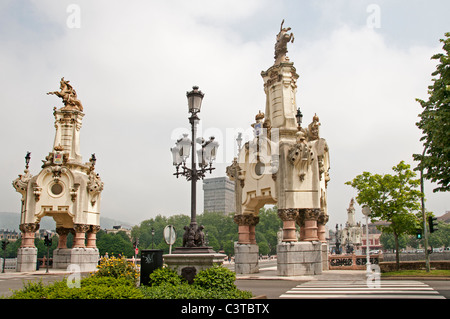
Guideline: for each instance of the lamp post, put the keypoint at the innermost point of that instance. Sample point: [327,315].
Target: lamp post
[27,160]
[47,243]
[193,236]
[366,212]
[424,219]
[153,235]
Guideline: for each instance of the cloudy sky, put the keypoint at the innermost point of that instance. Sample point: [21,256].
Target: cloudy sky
[362,64]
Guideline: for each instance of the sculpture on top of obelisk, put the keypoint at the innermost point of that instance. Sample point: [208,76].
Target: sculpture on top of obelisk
[68,95]
[283,38]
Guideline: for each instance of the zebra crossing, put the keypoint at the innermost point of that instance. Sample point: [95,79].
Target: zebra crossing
[360,289]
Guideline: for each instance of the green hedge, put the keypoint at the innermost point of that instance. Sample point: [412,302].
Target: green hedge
[90,288]
[213,283]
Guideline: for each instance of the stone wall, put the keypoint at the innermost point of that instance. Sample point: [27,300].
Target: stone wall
[387,266]
[350,262]
[417,256]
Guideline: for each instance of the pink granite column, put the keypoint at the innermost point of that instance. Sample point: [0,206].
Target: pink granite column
[311,216]
[80,231]
[62,234]
[288,216]
[28,234]
[322,220]
[246,224]
[92,236]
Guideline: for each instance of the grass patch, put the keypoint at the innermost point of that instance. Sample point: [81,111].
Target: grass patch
[418,273]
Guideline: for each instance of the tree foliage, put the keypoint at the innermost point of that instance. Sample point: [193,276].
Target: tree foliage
[435,124]
[391,198]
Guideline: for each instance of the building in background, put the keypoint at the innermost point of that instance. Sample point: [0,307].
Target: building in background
[218,195]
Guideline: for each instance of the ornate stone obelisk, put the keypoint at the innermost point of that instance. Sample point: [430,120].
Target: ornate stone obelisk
[66,189]
[287,165]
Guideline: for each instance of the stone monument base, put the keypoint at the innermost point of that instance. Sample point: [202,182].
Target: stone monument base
[299,258]
[246,258]
[189,265]
[325,265]
[85,258]
[26,259]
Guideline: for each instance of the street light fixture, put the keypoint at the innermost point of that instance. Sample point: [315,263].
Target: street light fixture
[299,117]
[185,146]
[153,235]
[27,160]
[366,212]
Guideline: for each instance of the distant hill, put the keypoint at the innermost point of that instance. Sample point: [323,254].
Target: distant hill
[11,221]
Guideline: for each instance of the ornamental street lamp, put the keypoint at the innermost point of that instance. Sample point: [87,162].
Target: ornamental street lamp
[366,212]
[27,160]
[193,236]
[299,118]
[153,237]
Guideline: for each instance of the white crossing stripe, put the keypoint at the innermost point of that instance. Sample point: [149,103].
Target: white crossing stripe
[388,289]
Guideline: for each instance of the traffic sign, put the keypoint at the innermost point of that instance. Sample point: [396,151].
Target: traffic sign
[170,235]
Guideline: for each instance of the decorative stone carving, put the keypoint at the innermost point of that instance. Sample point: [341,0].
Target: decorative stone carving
[81,228]
[68,95]
[21,183]
[74,191]
[36,191]
[193,236]
[28,233]
[289,214]
[283,38]
[246,220]
[29,227]
[94,186]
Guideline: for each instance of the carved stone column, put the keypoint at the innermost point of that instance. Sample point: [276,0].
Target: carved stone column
[246,228]
[28,233]
[92,236]
[62,233]
[80,230]
[311,216]
[288,216]
[321,221]
[301,222]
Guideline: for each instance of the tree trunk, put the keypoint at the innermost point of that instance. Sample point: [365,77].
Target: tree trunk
[397,256]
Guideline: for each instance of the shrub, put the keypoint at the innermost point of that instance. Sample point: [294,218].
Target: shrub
[216,277]
[166,276]
[212,283]
[117,268]
[90,288]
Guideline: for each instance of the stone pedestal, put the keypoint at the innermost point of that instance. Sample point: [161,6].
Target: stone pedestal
[299,258]
[85,258]
[26,259]
[246,258]
[325,265]
[188,265]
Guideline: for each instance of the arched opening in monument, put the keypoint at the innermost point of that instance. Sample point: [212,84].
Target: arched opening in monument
[268,231]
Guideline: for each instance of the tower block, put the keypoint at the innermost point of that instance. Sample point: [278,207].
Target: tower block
[66,189]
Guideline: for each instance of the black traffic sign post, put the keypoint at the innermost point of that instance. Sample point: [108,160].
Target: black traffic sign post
[151,259]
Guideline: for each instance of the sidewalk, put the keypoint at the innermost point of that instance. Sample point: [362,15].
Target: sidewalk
[270,273]
[40,272]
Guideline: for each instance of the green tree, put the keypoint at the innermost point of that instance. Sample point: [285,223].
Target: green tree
[435,124]
[267,229]
[114,244]
[391,198]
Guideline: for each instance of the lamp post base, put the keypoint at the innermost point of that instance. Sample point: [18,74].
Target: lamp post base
[194,250]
